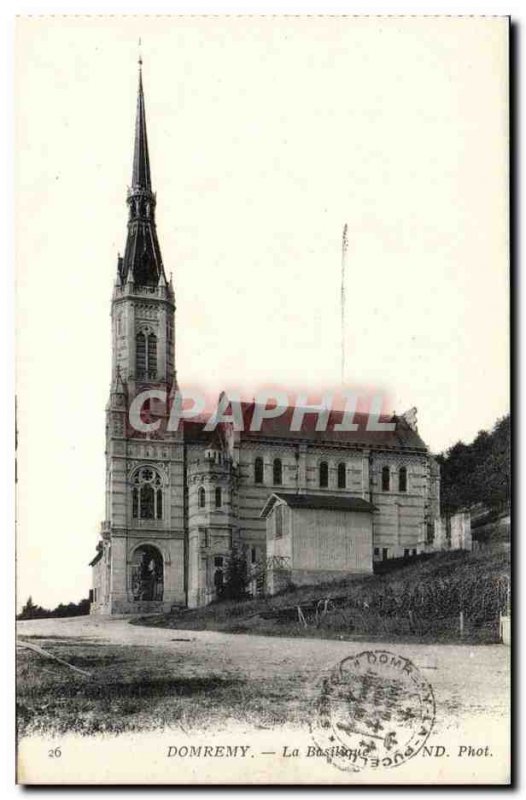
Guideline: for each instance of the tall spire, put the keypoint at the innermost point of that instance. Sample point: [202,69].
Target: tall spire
[142,262]
[141,161]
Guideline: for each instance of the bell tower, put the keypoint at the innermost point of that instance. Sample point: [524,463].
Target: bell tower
[143,305]
[140,563]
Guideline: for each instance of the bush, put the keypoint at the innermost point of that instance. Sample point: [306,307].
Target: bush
[236,575]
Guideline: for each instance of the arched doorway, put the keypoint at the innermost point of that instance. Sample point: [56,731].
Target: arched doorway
[147,573]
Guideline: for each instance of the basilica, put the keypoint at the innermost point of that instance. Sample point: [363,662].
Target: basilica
[303,506]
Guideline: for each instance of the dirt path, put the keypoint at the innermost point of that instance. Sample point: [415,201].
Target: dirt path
[469,681]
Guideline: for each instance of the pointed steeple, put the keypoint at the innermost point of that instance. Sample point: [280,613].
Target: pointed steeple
[142,262]
[141,178]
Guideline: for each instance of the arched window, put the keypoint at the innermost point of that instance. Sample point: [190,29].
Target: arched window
[277,472]
[146,355]
[201,497]
[402,479]
[342,476]
[258,470]
[147,494]
[218,498]
[324,475]
[386,478]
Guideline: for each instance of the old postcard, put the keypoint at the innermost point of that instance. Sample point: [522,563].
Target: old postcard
[263,498]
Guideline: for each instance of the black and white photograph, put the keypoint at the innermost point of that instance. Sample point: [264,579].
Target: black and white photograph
[263,488]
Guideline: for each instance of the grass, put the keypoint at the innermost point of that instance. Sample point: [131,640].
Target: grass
[140,688]
[418,602]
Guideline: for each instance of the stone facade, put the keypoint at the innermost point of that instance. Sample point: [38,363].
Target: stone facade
[178,502]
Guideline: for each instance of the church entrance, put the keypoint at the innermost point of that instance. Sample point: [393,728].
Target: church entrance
[147,573]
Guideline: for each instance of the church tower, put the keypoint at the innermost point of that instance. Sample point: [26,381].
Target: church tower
[140,561]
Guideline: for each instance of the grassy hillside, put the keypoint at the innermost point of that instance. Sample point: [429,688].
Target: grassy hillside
[421,601]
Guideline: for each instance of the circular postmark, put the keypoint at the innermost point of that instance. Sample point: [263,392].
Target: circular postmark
[374,710]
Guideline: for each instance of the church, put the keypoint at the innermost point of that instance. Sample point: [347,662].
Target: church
[303,506]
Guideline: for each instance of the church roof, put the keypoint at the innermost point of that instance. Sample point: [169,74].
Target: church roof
[332,502]
[97,557]
[194,431]
[403,437]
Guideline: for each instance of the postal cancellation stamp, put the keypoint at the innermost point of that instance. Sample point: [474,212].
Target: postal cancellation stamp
[374,710]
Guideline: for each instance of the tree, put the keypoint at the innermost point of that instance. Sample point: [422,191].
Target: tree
[236,575]
[478,473]
[32,611]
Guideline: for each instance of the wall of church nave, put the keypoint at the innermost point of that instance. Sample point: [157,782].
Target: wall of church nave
[300,467]
[348,467]
[400,490]
[287,473]
[416,474]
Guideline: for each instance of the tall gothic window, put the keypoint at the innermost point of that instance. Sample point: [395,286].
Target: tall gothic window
[218,497]
[147,494]
[152,356]
[201,497]
[324,475]
[140,354]
[342,476]
[277,472]
[146,355]
[402,479]
[258,470]
[386,479]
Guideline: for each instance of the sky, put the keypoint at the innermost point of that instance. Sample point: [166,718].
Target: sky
[266,136]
